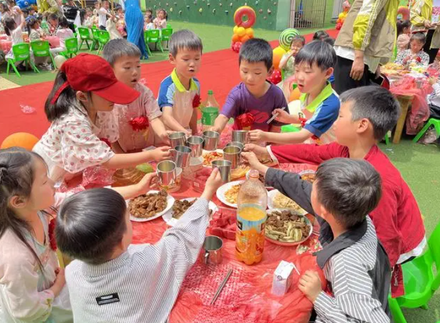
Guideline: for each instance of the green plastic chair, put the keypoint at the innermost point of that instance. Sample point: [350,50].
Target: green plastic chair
[421,279]
[85,36]
[153,36]
[95,36]
[71,47]
[41,48]
[22,53]
[431,122]
[166,34]
[290,128]
[104,38]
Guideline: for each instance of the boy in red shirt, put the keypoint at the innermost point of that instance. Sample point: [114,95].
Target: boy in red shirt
[366,115]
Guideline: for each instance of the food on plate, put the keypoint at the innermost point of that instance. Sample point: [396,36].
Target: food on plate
[281,201]
[231,195]
[208,158]
[148,205]
[180,207]
[309,177]
[239,172]
[287,226]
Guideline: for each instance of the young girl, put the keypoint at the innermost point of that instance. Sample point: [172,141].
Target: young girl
[15,33]
[85,85]
[120,24]
[33,27]
[148,25]
[52,24]
[31,284]
[415,56]
[160,22]
[63,32]
[287,63]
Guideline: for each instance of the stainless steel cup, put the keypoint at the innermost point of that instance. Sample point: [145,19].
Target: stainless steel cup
[232,153]
[224,166]
[236,143]
[196,145]
[210,140]
[180,156]
[213,250]
[166,171]
[240,136]
[177,139]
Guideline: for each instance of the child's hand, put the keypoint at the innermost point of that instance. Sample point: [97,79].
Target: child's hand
[257,135]
[283,116]
[310,285]
[212,184]
[59,282]
[251,159]
[433,80]
[146,183]
[258,150]
[161,153]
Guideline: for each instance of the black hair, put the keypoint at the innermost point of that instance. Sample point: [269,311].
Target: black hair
[117,48]
[4,6]
[376,104]
[17,174]
[25,10]
[348,189]
[401,25]
[419,37]
[184,39]
[329,40]
[90,224]
[318,52]
[31,23]
[11,2]
[53,16]
[10,25]
[298,38]
[164,12]
[63,22]
[149,10]
[256,50]
[320,34]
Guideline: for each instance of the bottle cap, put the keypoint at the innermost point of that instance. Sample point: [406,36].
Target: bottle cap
[210,92]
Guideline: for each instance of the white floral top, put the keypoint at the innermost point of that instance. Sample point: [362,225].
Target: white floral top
[73,143]
[406,57]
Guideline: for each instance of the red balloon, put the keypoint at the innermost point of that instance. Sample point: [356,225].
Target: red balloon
[338,26]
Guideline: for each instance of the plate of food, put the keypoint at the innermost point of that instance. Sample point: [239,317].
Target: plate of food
[308,175]
[287,228]
[228,193]
[180,206]
[240,172]
[149,206]
[210,156]
[277,200]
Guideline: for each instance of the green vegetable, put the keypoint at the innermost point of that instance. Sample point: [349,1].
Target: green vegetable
[145,168]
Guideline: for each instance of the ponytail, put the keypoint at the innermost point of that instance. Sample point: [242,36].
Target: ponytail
[55,107]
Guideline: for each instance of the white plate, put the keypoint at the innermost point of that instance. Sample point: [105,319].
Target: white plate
[223,189]
[271,195]
[170,202]
[168,217]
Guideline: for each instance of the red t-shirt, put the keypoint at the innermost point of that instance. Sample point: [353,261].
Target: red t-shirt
[397,217]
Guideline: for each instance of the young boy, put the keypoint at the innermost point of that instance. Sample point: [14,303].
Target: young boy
[103,14]
[113,281]
[354,262]
[254,96]
[179,93]
[319,103]
[124,57]
[366,115]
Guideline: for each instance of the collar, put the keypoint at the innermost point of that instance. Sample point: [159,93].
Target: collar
[325,93]
[106,267]
[179,85]
[345,240]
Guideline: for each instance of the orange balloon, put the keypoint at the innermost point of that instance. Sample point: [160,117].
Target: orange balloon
[235,38]
[277,55]
[295,95]
[250,32]
[245,38]
[20,139]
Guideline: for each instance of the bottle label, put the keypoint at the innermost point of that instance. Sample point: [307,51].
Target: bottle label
[209,114]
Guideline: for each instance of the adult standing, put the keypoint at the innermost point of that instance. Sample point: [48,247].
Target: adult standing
[365,40]
[46,7]
[134,20]
[421,20]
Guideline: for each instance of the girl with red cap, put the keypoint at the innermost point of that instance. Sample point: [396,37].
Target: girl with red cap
[85,85]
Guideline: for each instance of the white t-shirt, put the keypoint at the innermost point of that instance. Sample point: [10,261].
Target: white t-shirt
[102,17]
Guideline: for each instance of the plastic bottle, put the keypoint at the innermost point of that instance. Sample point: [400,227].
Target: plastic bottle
[251,218]
[210,111]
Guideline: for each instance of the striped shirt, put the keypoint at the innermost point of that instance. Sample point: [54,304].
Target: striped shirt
[142,284]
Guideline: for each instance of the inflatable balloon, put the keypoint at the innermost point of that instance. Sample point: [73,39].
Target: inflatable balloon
[341,17]
[278,53]
[294,95]
[249,13]
[243,30]
[20,139]
[403,13]
[276,77]
[286,37]
[59,60]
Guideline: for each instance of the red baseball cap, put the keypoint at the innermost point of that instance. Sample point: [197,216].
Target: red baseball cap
[91,73]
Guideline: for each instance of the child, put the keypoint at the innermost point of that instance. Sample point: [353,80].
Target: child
[354,262]
[31,282]
[320,35]
[64,32]
[254,98]
[179,93]
[319,103]
[89,19]
[287,63]
[366,115]
[103,15]
[14,31]
[85,85]
[33,27]
[160,22]
[415,56]
[124,57]
[53,24]
[148,22]
[111,28]
[402,43]
[120,24]
[15,12]
[137,283]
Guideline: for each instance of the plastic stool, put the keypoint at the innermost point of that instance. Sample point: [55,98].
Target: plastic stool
[431,122]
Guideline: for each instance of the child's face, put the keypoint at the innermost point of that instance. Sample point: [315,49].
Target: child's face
[161,14]
[101,104]
[128,70]
[253,75]
[105,4]
[42,193]
[344,127]
[416,45]
[407,31]
[97,5]
[147,20]
[187,62]
[311,78]
[295,47]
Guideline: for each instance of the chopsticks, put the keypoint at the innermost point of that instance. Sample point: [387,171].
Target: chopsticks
[274,116]
[220,288]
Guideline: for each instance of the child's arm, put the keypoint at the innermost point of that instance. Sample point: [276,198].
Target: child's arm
[220,123]
[275,129]
[119,161]
[116,147]
[135,190]
[228,111]
[170,122]
[193,122]
[159,129]
[285,117]
[280,138]
[284,60]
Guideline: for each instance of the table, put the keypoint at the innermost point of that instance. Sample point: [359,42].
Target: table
[246,297]
[405,102]
[5,45]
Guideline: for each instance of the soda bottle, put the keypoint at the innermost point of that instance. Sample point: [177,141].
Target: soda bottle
[251,218]
[210,111]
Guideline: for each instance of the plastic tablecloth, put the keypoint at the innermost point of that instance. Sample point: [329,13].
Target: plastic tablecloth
[5,45]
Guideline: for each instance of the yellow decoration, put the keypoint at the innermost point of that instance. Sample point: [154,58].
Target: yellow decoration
[278,53]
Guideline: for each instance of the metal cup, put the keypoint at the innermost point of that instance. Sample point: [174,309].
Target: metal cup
[211,140]
[236,143]
[213,250]
[232,153]
[177,139]
[240,136]
[196,145]
[224,166]
[180,156]
[166,171]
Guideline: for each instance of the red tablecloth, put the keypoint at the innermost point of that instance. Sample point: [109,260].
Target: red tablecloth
[247,295]
[53,41]
[5,45]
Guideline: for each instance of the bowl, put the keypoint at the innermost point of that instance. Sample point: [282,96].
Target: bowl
[295,243]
